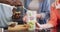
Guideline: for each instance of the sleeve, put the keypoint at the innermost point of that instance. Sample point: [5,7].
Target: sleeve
[53,17]
[46,10]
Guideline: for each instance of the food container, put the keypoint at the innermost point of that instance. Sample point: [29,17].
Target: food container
[31,15]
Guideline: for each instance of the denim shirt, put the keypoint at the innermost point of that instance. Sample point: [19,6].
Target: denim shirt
[44,9]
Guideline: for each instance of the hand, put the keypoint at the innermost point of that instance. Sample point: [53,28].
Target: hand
[38,16]
[25,18]
[37,26]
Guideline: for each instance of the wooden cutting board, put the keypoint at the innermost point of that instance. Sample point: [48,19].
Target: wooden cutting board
[18,27]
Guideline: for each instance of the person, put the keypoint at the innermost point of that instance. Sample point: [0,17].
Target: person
[6,7]
[43,11]
[55,15]
[5,16]
[12,2]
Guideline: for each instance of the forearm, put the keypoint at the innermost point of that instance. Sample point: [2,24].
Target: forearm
[44,15]
[45,26]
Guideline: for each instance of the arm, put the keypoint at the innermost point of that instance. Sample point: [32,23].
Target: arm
[53,17]
[52,22]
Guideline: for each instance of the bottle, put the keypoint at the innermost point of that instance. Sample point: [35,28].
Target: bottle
[31,13]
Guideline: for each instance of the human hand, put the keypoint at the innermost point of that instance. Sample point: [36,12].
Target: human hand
[25,18]
[38,16]
[37,26]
